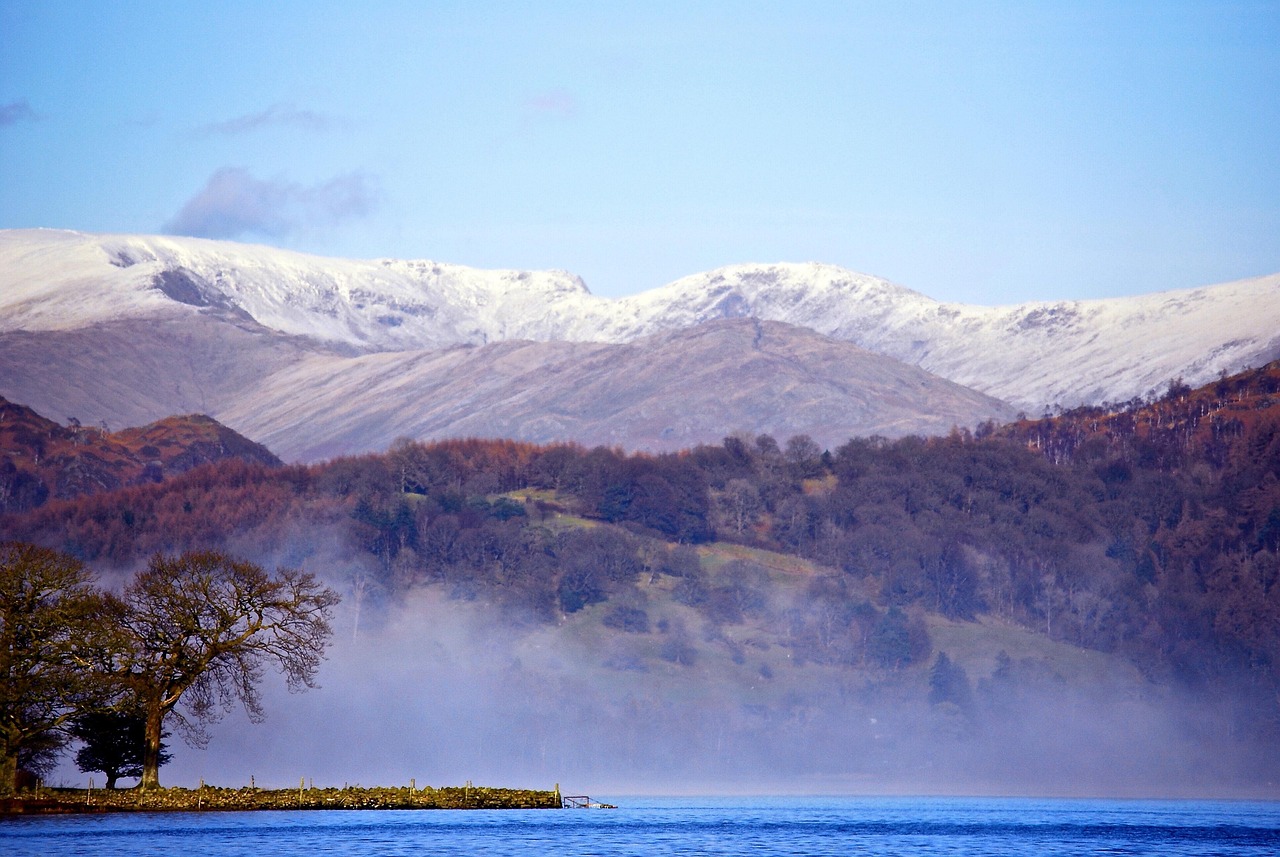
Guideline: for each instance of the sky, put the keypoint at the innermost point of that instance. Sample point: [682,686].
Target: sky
[985,152]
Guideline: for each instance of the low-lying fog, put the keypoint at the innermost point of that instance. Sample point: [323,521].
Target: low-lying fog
[430,692]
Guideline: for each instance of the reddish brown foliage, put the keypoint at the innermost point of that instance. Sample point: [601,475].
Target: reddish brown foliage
[42,460]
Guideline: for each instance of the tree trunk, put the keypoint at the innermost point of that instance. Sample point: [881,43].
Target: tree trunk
[151,748]
[112,776]
[8,773]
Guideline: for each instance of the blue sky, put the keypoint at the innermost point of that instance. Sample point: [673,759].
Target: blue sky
[978,152]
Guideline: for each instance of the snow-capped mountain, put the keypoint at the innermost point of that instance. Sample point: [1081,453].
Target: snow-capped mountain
[56,280]
[1032,355]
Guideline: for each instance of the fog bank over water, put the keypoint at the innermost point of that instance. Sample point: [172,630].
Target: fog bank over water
[436,692]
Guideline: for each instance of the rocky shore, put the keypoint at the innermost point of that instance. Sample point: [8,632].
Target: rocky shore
[213,798]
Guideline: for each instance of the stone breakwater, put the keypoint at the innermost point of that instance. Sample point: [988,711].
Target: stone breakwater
[213,798]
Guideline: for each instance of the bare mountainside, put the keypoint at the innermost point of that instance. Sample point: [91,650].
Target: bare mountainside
[130,372]
[307,401]
[667,391]
[1032,355]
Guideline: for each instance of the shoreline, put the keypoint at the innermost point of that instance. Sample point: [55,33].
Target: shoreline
[206,798]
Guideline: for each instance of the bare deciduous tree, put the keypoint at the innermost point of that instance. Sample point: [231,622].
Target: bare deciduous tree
[202,626]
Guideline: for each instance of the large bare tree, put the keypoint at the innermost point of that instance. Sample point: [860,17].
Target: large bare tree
[50,624]
[202,627]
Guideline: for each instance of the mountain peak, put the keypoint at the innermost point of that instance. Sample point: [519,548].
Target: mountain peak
[1035,355]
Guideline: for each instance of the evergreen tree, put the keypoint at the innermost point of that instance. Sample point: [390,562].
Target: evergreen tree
[948,682]
[50,631]
[113,744]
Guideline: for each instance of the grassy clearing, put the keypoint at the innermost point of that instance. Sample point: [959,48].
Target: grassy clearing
[975,645]
[717,554]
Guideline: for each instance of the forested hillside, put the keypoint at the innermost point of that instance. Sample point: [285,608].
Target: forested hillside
[1152,532]
[42,460]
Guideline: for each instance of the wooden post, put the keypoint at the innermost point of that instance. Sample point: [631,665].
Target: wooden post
[200,795]
[413,785]
[301,782]
[88,796]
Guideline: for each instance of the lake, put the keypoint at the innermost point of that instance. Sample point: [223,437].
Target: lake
[697,825]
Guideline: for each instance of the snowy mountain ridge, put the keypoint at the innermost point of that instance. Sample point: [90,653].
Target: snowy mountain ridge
[1032,355]
[54,280]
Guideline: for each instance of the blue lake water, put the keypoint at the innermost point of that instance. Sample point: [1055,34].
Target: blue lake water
[684,826]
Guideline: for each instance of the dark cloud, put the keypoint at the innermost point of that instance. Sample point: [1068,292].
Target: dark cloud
[15,112]
[278,114]
[233,204]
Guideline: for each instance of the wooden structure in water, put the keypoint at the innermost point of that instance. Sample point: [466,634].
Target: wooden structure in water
[583,802]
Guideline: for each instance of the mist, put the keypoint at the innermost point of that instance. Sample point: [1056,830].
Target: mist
[442,691]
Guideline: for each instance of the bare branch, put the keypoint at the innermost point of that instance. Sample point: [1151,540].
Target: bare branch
[205,626]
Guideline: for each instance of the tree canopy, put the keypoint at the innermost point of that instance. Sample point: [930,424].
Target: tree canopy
[49,627]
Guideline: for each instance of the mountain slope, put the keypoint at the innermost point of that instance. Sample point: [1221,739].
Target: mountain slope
[1032,355]
[661,392]
[131,371]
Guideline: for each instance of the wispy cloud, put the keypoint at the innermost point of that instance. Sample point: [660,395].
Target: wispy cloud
[553,104]
[280,114]
[234,204]
[15,112]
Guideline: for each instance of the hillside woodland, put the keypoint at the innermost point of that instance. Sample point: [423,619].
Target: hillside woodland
[1149,531]
[42,460]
